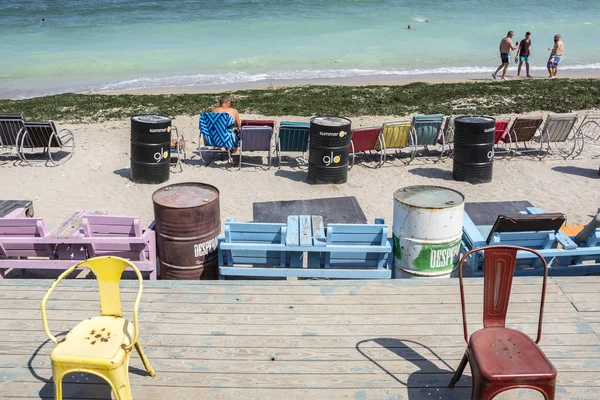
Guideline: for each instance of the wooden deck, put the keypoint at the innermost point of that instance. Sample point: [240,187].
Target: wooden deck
[300,339]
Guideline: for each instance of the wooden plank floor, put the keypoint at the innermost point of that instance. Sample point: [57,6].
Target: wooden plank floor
[397,339]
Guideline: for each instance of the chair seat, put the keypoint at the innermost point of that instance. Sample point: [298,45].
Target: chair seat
[503,354]
[95,342]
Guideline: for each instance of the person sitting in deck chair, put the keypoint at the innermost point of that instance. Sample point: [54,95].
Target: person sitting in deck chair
[225,107]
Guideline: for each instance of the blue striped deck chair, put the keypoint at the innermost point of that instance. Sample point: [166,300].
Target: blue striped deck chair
[292,137]
[216,132]
[426,131]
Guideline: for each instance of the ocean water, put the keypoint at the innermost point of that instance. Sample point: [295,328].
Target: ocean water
[99,45]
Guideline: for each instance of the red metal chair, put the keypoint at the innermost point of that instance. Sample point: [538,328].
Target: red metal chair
[502,140]
[366,139]
[502,358]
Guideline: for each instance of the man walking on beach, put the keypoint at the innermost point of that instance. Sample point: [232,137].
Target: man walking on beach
[523,54]
[506,46]
[556,56]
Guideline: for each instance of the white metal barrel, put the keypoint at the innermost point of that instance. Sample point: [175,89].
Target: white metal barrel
[427,231]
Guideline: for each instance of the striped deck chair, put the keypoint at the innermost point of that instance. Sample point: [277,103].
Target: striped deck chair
[558,129]
[12,126]
[522,132]
[217,134]
[502,143]
[426,130]
[292,137]
[396,135]
[367,139]
[44,136]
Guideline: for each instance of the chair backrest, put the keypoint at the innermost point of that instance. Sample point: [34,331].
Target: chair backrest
[293,136]
[501,130]
[254,233]
[259,122]
[427,128]
[41,135]
[525,128]
[256,138]
[356,234]
[115,227]
[558,127]
[216,128]
[11,126]
[396,134]
[590,127]
[459,109]
[527,223]
[24,228]
[365,139]
[499,267]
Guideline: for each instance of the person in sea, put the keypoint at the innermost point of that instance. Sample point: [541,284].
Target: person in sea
[225,107]
[523,54]
[506,46]
[555,56]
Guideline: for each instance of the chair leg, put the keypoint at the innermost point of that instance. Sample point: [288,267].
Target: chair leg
[459,371]
[138,348]
[57,376]
[548,390]
[2,273]
[119,381]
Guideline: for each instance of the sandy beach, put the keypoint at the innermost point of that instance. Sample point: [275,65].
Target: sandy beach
[97,177]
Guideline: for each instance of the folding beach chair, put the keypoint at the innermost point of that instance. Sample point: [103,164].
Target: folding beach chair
[522,132]
[558,129]
[502,143]
[589,129]
[292,137]
[177,149]
[217,134]
[12,127]
[396,135]
[447,134]
[255,138]
[43,135]
[367,139]
[426,130]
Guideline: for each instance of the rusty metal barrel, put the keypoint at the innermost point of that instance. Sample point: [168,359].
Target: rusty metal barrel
[188,221]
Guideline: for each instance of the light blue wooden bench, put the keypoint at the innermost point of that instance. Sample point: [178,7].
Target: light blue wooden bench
[301,249]
[569,255]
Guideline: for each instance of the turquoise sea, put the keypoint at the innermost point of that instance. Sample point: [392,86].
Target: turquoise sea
[98,45]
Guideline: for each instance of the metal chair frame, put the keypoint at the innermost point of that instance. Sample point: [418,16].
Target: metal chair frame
[560,128]
[497,287]
[33,138]
[178,164]
[380,142]
[409,143]
[447,134]
[503,153]
[514,137]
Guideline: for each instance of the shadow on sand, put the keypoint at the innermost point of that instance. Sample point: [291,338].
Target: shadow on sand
[571,170]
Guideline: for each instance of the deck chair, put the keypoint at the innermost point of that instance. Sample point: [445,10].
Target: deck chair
[396,135]
[178,154]
[44,136]
[528,230]
[447,134]
[426,130]
[589,129]
[502,143]
[259,122]
[292,137]
[522,132]
[217,134]
[12,126]
[557,130]
[255,138]
[367,139]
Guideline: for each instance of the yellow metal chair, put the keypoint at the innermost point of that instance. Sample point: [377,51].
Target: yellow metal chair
[397,135]
[100,345]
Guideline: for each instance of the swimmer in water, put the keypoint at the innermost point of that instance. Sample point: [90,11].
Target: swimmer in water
[409,27]
[43,19]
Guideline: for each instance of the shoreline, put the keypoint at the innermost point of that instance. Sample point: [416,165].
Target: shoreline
[374,80]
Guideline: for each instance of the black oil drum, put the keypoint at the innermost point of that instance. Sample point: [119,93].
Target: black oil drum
[328,153]
[188,221]
[150,148]
[473,149]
